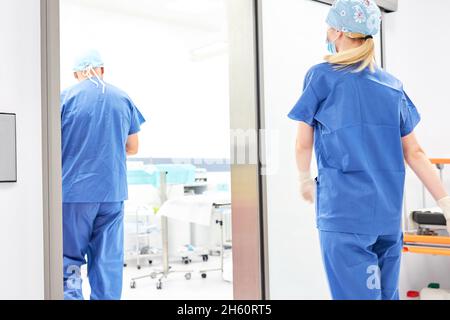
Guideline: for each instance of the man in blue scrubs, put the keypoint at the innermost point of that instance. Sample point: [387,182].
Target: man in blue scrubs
[100,126]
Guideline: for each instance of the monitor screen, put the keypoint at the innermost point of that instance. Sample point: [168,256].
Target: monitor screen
[8,161]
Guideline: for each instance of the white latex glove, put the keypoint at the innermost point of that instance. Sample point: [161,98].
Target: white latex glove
[444,204]
[307,187]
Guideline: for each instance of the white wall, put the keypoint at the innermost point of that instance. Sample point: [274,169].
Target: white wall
[417,49]
[21,215]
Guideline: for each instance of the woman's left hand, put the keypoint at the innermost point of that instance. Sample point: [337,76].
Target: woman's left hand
[445,206]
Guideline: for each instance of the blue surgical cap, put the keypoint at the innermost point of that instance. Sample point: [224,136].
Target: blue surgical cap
[88,59]
[358,16]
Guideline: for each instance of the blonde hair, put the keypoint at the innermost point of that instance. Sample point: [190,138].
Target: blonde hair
[364,54]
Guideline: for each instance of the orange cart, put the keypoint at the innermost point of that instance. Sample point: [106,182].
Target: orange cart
[428,244]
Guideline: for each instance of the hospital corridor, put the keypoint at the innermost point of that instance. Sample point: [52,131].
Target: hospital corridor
[224,150]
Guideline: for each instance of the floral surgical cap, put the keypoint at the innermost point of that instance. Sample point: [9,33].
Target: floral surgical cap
[358,16]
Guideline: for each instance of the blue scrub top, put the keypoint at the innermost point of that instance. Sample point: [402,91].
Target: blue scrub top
[95,129]
[359,120]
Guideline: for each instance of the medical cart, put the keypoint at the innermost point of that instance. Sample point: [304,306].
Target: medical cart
[166,269]
[428,236]
[222,208]
[138,230]
[141,225]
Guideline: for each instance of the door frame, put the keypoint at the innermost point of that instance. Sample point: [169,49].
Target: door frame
[386,5]
[247,183]
[51,151]
[247,246]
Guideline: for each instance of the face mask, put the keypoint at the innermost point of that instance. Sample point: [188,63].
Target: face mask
[331,46]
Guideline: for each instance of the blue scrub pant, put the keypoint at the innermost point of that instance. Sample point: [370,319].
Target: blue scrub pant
[95,230]
[362,267]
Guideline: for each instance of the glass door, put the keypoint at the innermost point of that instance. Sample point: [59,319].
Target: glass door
[293,40]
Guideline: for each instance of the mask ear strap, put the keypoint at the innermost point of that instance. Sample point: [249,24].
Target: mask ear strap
[336,38]
[99,80]
[87,74]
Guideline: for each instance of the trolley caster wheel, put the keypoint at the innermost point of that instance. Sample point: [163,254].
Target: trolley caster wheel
[125,265]
[139,267]
[150,261]
[204,275]
[205,258]
[153,275]
[133,285]
[159,286]
[186,260]
[188,276]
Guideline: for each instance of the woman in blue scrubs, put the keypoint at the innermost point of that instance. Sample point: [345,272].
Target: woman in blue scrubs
[361,122]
